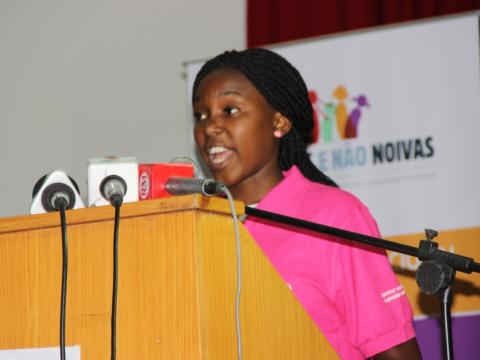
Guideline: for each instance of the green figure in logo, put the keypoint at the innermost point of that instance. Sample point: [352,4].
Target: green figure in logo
[327,123]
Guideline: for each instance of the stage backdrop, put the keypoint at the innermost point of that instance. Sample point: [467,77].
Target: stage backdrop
[398,120]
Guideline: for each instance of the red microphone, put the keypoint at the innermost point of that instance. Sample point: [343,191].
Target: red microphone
[152,178]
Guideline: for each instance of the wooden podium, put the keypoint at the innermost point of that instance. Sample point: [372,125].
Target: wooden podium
[177,286]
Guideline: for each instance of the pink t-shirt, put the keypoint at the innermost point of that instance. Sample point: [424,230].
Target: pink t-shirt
[348,289]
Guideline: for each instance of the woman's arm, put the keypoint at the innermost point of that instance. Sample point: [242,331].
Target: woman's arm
[408,350]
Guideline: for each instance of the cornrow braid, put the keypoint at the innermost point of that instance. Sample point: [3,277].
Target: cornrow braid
[283,88]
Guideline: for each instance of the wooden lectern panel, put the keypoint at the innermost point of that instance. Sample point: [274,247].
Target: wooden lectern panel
[177,286]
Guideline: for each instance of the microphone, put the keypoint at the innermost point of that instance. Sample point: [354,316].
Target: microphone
[100,190]
[113,189]
[56,196]
[53,191]
[153,177]
[184,186]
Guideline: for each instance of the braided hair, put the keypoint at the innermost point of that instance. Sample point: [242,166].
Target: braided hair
[283,88]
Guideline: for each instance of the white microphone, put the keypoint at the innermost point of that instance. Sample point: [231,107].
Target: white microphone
[54,190]
[183,186]
[100,169]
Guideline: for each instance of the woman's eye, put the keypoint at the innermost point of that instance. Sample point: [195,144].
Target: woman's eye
[199,116]
[231,110]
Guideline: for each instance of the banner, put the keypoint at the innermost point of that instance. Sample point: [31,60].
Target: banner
[398,117]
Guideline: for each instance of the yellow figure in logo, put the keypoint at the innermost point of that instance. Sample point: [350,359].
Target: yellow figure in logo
[341,94]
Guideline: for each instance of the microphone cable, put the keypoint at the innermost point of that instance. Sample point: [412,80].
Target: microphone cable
[210,187]
[226,191]
[59,195]
[113,344]
[61,203]
[113,188]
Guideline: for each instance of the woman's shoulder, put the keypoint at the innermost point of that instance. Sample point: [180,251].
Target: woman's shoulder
[328,191]
[314,193]
[299,197]
[296,193]
[337,207]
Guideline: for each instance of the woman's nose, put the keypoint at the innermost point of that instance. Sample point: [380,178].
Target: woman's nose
[214,125]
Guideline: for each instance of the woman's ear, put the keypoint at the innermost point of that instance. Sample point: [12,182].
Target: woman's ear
[281,125]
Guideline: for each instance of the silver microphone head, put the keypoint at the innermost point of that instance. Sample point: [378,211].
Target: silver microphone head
[113,188]
[184,186]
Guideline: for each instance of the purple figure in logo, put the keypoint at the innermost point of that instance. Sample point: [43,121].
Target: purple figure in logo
[351,129]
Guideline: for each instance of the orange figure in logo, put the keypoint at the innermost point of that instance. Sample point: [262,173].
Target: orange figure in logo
[341,94]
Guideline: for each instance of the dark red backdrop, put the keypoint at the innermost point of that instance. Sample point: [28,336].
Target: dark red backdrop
[272,21]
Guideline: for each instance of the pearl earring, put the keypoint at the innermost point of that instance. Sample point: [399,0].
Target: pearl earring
[277,133]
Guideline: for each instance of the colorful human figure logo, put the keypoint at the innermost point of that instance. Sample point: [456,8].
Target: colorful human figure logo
[316,128]
[351,130]
[341,94]
[335,114]
[328,122]
[323,119]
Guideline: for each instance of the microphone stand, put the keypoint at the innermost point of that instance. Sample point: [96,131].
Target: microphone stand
[436,274]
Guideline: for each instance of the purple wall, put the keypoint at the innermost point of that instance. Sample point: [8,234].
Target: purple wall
[466,337]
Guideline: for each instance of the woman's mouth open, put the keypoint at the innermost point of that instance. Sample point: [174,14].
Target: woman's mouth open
[218,157]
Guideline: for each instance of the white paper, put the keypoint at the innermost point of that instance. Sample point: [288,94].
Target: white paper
[72,353]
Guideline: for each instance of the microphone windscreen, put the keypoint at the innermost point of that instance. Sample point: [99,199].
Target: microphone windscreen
[153,177]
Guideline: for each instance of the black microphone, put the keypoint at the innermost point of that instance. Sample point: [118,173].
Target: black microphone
[58,195]
[113,189]
[53,191]
[184,186]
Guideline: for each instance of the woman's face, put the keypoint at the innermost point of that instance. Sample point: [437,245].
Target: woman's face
[234,131]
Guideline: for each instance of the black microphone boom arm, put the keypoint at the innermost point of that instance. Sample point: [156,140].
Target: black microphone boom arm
[458,262]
